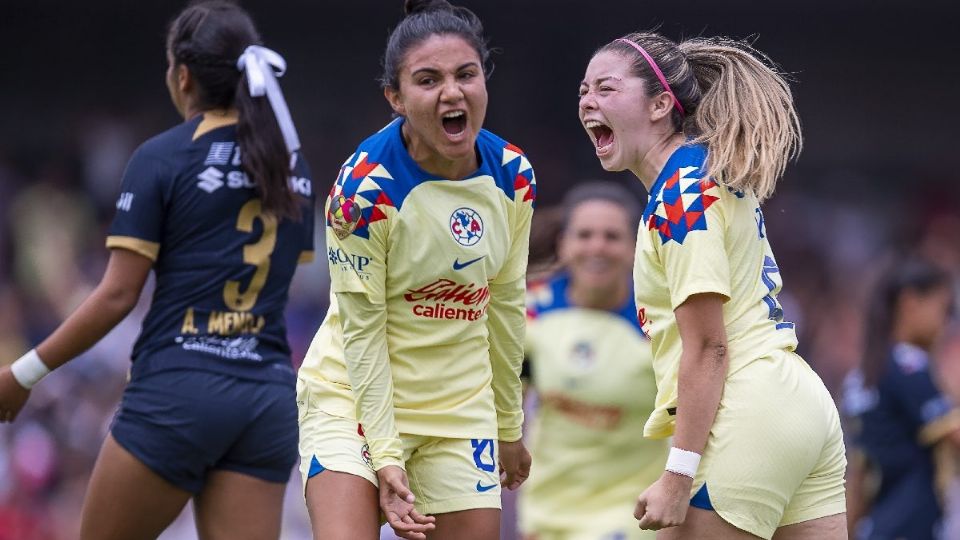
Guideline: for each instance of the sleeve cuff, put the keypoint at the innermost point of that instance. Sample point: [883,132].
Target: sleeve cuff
[146,248]
[680,296]
[384,452]
[510,427]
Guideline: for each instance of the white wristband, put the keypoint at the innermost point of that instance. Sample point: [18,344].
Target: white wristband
[29,369]
[683,462]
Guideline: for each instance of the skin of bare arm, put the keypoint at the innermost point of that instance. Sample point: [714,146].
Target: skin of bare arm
[703,368]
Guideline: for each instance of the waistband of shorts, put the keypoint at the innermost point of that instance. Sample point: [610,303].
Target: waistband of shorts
[276,371]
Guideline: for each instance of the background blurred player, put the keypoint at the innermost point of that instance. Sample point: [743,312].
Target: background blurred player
[708,128]
[210,410]
[899,410]
[428,228]
[590,365]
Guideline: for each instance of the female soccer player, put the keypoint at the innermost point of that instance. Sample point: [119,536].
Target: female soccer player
[591,367]
[708,127]
[213,207]
[900,412]
[414,373]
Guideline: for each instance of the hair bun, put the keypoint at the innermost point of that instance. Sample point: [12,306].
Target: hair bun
[411,7]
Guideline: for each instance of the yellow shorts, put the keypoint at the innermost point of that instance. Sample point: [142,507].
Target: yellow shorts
[775,455]
[446,475]
[617,523]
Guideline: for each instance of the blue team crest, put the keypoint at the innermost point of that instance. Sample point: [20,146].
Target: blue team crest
[466,226]
[582,355]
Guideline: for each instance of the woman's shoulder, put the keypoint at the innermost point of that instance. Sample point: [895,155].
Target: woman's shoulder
[163,146]
[508,164]
[546,295]
[488,141]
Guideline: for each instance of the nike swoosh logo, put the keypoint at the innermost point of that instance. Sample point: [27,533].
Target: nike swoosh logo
[457,265]
[481,488]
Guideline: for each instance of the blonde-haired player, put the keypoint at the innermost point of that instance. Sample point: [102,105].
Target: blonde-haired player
[590,365]
[708,127]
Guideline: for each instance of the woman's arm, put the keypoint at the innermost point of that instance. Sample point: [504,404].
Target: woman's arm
[112,300]
[107,305]
[703,368]
[368,366]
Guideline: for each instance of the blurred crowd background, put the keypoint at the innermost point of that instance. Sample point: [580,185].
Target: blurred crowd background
[81,85]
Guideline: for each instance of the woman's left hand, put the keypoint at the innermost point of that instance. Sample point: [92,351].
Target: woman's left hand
[664,504]
[515,464]
[12,395]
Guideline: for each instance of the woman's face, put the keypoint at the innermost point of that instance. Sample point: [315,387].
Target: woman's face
[597,246]
[615,111]
[443,95]
[927,313]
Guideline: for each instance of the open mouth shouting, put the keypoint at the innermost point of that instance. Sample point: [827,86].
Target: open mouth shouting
[454,124]
[602,136]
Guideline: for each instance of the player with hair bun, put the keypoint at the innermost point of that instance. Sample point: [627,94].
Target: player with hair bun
[209,412]
[708,126]
[410,393]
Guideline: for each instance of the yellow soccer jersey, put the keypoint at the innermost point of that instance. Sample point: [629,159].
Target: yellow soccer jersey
[442,263]
[593,375]
[698,236]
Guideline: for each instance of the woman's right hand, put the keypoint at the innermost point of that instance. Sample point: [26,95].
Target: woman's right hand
[12,395]
[396,502]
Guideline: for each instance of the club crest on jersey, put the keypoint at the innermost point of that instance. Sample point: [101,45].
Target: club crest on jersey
[582,356]
[466,226]
[344,216]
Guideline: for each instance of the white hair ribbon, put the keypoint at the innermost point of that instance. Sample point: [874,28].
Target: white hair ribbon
[263,66]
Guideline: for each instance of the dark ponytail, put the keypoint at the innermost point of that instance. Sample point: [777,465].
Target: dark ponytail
[208,38]
[425,18]
[912,274]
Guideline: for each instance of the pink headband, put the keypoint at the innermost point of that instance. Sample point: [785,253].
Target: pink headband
[656,70]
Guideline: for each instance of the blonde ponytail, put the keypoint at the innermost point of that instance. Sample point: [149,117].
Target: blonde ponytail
[745,115]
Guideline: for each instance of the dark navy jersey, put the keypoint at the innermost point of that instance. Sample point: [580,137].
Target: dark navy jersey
[223,266]
[895,425]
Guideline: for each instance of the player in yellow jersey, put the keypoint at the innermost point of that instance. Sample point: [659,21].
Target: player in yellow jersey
[708,127]
[414,375]
[590,365]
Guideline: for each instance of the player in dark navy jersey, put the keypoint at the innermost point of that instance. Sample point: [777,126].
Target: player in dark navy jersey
[221,208]
[899,412]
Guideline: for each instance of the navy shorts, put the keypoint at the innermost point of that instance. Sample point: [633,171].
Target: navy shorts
[183,424]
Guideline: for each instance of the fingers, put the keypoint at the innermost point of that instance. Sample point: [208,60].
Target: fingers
[422,519]
[509,480]
[407,526]
[647,521]
[641,508]
[402,491]
[515,477]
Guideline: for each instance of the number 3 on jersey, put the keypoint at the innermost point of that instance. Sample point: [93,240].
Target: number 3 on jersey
[256,254]
[770,275]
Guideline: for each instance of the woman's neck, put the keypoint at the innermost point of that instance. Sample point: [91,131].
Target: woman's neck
[602,299]
[432,162]
[655,158]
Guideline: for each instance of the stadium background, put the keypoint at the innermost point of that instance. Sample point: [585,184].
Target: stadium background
[81,85]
